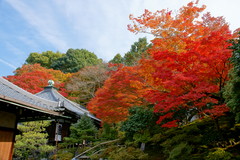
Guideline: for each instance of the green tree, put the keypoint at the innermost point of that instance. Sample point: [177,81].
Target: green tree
[33,140]
[117,59]
[138,50]
[109,131]
[45,59]
[129,153]
[82,131]
[74,60]
[139,125]
[219,154]
[232,89]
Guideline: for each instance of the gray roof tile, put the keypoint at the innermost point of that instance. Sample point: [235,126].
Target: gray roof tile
[49,98]
[10,90]
[51,93]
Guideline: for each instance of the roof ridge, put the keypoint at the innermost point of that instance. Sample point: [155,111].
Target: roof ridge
[75,104]
[26,93]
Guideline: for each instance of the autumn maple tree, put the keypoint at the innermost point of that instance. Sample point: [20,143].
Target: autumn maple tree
[184,75]
[125,88]
[57,74]
[189,64]
[33,77]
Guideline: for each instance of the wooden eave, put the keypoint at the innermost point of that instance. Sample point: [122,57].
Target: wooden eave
[28,106]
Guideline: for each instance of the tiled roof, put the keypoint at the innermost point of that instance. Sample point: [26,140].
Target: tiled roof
[9,90]
[51,93]
[48,99]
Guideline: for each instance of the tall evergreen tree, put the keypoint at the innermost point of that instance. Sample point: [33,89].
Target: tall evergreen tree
[33,140]
[117,59]
[138,50]
[232,89]
[82,131]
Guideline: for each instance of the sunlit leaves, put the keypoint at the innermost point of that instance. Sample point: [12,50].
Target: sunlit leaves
[34,78]
[45,58]
[185,74]
[33,141]
[124,89]
[74,60]
[189,64]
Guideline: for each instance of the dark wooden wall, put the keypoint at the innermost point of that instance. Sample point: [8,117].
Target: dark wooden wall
[7,134]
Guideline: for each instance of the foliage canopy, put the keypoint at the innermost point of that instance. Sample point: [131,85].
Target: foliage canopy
[33,140]
[74,60]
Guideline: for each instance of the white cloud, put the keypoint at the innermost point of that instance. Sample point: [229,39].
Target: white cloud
[31,43]
[99,26]
[228,9]
[41,18]
[8,64]
[16,51]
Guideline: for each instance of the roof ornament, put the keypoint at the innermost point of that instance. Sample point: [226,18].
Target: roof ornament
[50,83]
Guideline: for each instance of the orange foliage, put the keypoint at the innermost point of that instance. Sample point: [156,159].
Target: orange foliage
[190,80]
[187,69]
[124,89]
[33,78]
[172,32]
[169,30]
[32,82]
[57,74]
[189,64]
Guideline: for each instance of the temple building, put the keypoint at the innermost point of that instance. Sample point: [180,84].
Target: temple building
[68,108]
[18,105]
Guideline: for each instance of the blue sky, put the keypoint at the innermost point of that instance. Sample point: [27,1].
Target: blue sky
[99,26]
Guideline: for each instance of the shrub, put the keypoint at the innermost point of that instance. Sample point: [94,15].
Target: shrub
[129,153]
[219,154]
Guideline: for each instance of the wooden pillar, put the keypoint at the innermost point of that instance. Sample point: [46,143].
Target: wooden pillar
[7,134]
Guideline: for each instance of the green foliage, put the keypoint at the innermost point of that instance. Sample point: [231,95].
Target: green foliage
[232,89]
[219,154]
[185,142]
[45,59]
[212,136]
[109,132]
[117,59]
[180,151]
[232,94]
[74,60]
[140,121]
[140,125]
[83,130]
[138,50]
[142,137]
[195,140]
[129,153]
[33,141]
[64,154]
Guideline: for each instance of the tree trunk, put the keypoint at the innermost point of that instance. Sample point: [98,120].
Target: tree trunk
[217,124]
[142,146]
